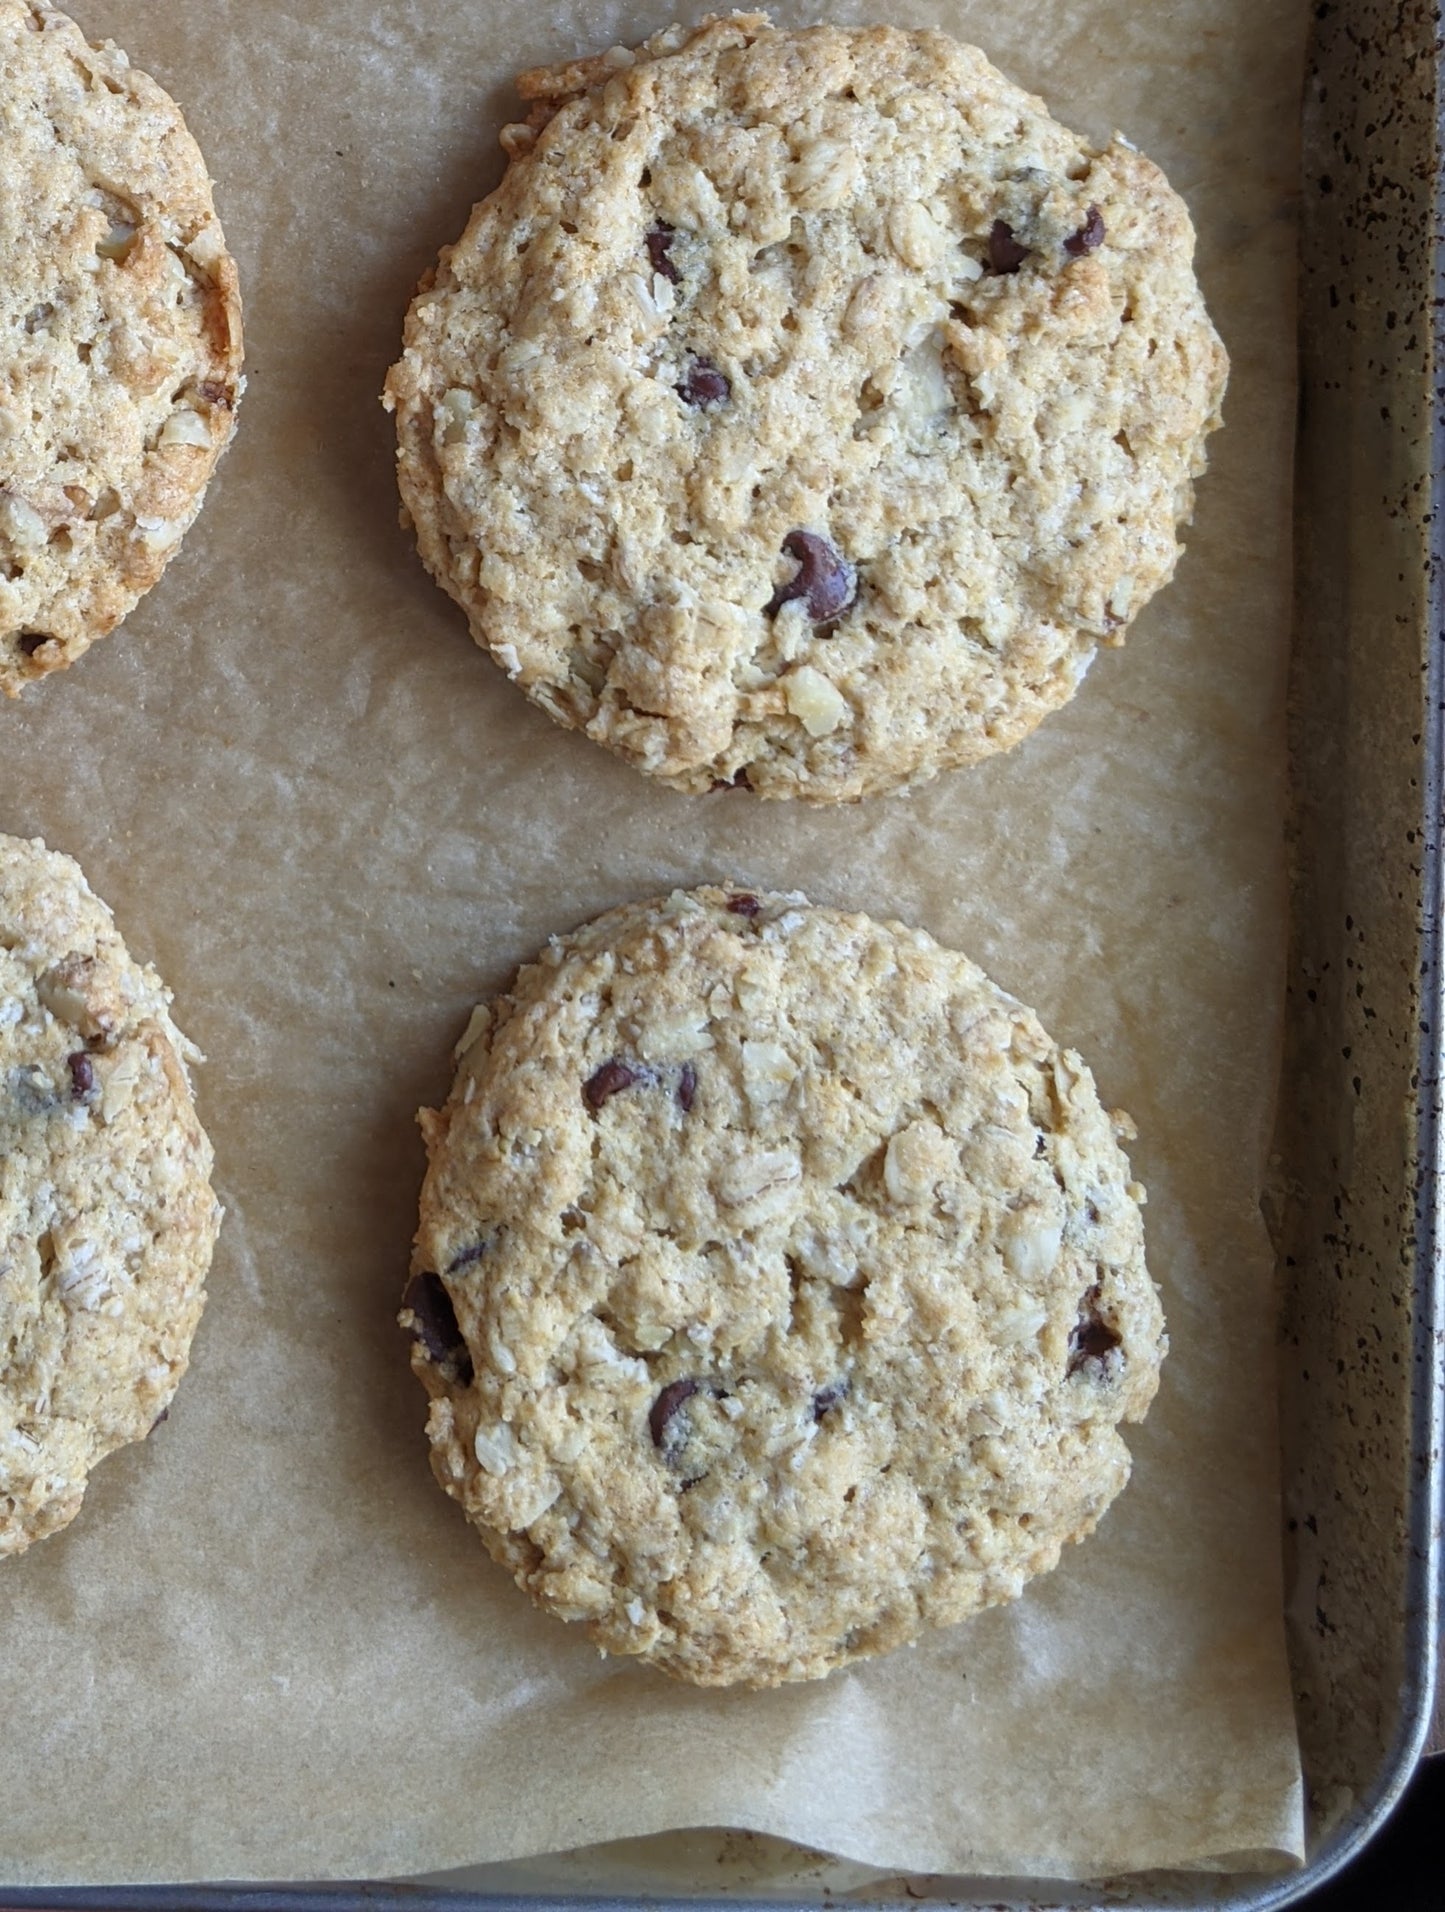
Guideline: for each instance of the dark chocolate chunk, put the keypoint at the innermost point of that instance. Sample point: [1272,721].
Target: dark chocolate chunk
[1089,237]
[1005,254]
[82,1074]
[686,1088]
[825,581]
[744,905]
[467,1257]
[703,385]
[30,641]
[672,1397]
[828,1397]
[1091,1337]
[612,1077]
[659,242]
[434,1323]
[164,1415]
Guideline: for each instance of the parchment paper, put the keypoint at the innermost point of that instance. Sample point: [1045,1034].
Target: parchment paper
[270,1647]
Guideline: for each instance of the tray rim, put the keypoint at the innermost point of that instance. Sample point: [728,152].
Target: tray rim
[1425,1576]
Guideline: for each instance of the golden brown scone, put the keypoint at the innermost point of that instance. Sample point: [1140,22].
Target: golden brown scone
[120,338]
[779,1287]
[805,408]
[107,1220]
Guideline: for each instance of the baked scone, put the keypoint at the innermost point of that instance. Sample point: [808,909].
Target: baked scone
[107,1220]
[779,1287]
[120,338]
[804,408]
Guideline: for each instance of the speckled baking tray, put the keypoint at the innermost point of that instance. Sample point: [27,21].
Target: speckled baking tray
[1355,1203]
[1358,1201]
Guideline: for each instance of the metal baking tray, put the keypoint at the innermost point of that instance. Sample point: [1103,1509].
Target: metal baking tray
[1356,1201]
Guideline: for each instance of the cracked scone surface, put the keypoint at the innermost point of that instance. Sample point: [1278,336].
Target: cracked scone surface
[120,338]
[779,1287]
[804,409]
[107,1220]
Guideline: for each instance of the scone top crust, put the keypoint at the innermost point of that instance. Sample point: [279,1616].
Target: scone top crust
[779,1287]
[804,408]
[107,1219]
[120,338]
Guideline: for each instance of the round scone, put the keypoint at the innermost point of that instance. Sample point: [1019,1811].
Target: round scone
[779,1287]
[804,409]
[120,338]
[107,1220]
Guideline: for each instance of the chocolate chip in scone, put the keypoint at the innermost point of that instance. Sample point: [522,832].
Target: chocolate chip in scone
[686,1088]
[434,1323]
[215,393]
[609,1080]
[1091,1337]
[82,1074]
[828,1397]
[704,386]
[660,1415]
[825,581]
[744,905]
[1089,237]
[467,1256]
[1005,254]
[659,244]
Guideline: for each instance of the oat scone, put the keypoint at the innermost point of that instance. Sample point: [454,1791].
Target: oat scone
[120,338]
[107,1220]
[804,408]
[779,1287]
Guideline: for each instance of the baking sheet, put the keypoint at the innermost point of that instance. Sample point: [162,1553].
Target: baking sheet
[270,1647]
